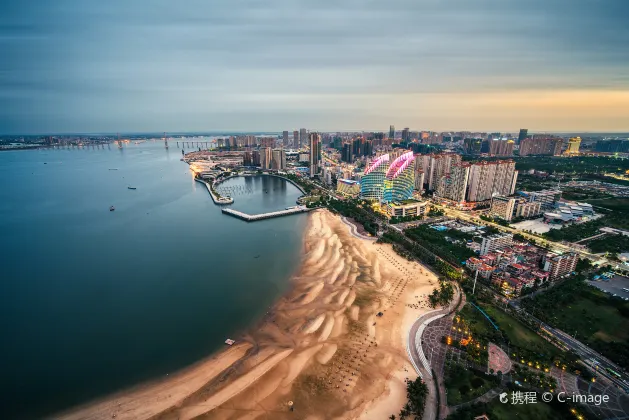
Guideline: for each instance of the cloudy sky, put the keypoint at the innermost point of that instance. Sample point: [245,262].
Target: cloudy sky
[192,65]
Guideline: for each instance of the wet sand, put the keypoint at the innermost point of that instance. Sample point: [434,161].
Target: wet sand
[322,347]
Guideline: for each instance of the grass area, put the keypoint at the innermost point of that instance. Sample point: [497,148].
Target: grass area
[540,410]
[589,318]
[529,344]
[463,385]
[591,315]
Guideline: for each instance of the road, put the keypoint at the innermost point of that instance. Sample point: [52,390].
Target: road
[421,364]
[582,350]
[554,245]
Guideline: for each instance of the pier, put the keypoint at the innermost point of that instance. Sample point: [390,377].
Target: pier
[262,216]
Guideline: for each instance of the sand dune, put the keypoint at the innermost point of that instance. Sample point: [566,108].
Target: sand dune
[318,348]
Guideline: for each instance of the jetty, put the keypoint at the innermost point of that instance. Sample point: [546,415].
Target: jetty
[262,216]
[215,198]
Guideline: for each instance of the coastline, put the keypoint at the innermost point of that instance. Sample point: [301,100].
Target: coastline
[322,345]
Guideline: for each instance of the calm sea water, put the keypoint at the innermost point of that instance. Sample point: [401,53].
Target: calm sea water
[92,301]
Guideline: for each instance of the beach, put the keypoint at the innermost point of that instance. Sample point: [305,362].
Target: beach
[334,347]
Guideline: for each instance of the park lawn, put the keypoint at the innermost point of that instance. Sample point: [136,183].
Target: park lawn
[537,411]
[592,320]
[463,385]
[518,334]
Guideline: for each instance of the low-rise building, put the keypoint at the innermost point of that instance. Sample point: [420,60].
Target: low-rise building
[407,208]
[348,187]
[526,209]
[502,207]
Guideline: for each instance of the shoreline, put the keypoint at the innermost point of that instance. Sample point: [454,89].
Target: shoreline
[321,345]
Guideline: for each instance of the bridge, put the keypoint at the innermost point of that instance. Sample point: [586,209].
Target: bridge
[262,216]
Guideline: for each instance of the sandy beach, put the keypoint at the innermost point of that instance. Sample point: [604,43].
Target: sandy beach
[323,346]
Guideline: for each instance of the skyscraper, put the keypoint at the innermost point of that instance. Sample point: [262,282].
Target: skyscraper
[266,157]
[303,137]
[296,139]
[453,184]
[500,147]
[523,133]
[391,131]
[405,136]
[541,146]
[285,138]
[346,154]
[491,178]
[278,161]
[315,153]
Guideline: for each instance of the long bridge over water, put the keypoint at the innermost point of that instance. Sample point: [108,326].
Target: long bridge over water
[262,216]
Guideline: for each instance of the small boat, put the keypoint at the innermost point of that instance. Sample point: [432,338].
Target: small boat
[229,342]
[132,188]
[112,208]
[113,169]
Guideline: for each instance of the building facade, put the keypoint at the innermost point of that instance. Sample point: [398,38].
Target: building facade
[502,207]
[560,265]
[372,182]
[550,146]
[315,154]
[495,242]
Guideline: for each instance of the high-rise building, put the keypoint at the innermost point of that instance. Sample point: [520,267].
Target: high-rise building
[472,146]
[438,166]
[612,146]
[560,265]
[372,182]
[523,133]
[285,138]
[491,178]
[500,147]
[303,137]
[255,158]
[495,242]
[574,143]
[278,161]
[346,153]
[453,184]
[266,157]
[399,180]
[405,135]
[391,131]
[502,207]
[315,154]
[296,139]
[419,180]
[247,159]
[540,146]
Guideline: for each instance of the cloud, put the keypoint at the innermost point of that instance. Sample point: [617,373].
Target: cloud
[119,65]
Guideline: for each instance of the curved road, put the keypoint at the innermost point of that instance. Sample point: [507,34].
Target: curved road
[418,359]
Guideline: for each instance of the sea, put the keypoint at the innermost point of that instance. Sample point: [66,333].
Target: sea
[94,301]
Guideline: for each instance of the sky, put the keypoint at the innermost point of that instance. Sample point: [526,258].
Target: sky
[211,65]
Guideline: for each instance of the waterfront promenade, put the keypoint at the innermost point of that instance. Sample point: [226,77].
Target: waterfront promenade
[262,216]
[215,198]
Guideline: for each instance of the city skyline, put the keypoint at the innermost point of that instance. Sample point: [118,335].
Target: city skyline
[486,65]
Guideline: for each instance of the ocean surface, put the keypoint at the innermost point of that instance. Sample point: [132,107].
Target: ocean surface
[93,301]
